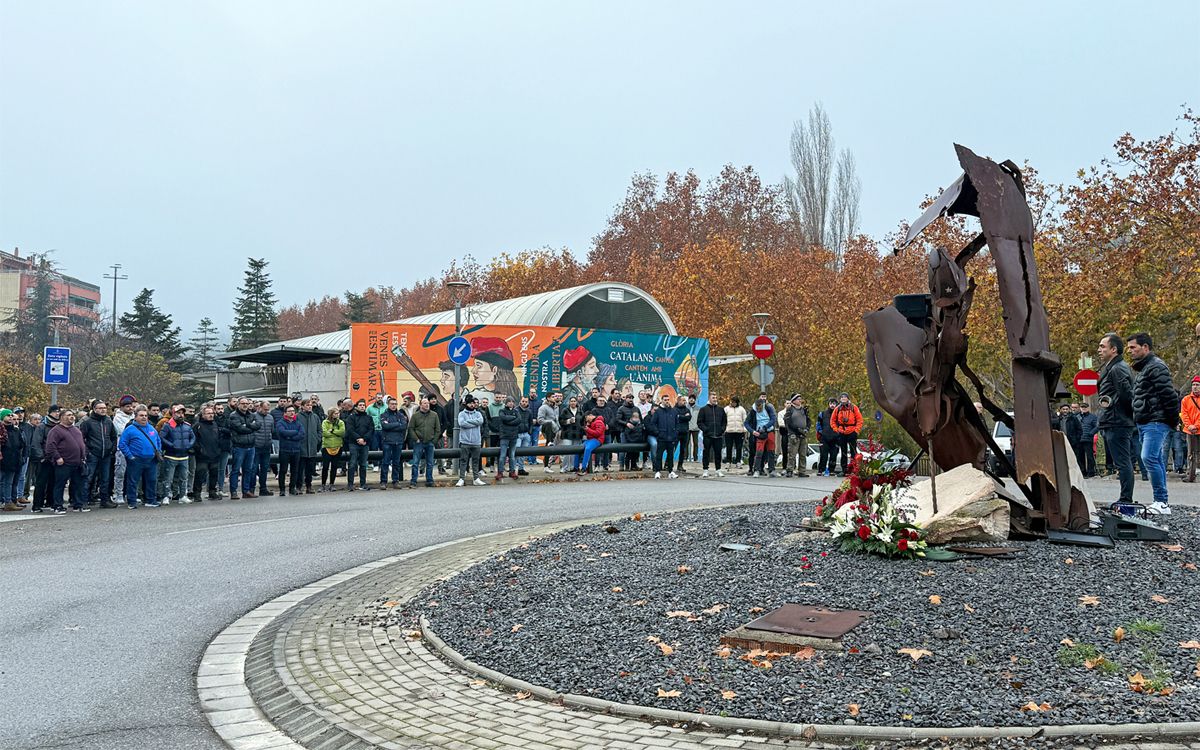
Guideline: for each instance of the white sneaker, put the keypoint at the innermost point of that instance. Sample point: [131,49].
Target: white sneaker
[165,501]
[478,482]
[673,475]
[704,475]
[720,473]
[754,474]
[185,500]
[1159,509]
[548,470]
[460,482]
[658,475]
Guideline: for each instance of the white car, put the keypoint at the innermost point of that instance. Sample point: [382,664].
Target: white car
[1003,437]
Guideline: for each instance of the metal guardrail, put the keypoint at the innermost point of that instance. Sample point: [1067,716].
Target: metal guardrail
[541,450]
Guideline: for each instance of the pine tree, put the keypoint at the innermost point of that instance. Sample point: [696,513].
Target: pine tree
[32,327]
[254,317]
[204,343]
[153,328]
[360,308]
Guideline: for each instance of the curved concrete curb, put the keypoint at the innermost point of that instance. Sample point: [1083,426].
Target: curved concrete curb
[221,677]
[806,731]
[235,716]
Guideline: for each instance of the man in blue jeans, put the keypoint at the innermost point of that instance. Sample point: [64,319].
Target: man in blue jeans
[394,424]
[424,427]
[142,448]
[242,424]
[1156,412]
[1116,411]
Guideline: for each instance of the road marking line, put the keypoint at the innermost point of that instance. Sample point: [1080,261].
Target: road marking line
[244,523]
[25,516]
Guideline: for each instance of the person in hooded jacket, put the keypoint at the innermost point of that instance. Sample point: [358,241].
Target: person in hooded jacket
[289,431]
[510,428]
[762,426]
[570,421]
[178,437]
[594,432]
[713,423]
[663,424]
[847,422]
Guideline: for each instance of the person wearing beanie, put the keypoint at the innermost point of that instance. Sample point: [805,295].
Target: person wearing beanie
[470,442]
[13,453]
[1189,418]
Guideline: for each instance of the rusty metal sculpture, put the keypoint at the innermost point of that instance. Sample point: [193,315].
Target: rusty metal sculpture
[916,346]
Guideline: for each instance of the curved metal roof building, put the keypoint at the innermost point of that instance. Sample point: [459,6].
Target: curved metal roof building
[609,305]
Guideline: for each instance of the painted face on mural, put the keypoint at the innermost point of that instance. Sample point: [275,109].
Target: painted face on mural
[485,374]
[589,371]
[446,382]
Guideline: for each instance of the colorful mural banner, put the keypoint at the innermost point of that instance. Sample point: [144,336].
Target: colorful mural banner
[393,358]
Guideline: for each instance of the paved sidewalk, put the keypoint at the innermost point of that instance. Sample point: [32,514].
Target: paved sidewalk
[314,670]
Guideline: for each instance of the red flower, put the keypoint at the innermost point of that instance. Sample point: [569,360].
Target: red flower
[806,566]
[902,545]
[824,554]
[820,511]
[864,532]
[804,558]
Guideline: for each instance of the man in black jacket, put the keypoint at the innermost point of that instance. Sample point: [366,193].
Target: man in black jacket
[712,422]
[1156,412]
[621,422]
[242,424]
[100,437]
[359,429]
[207,449]
[43,471]
[1116,415]
[1085,453]
[828,440]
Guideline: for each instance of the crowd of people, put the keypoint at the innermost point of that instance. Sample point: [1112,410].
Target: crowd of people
[148,455]
[156,454]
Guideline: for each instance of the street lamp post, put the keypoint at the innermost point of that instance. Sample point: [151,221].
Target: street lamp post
[457,288]
[761,318]
[54,321]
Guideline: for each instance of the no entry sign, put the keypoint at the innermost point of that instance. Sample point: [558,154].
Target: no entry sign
[762,347]
[1087,382]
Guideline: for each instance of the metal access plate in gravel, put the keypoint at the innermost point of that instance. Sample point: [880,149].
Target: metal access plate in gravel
[635,617]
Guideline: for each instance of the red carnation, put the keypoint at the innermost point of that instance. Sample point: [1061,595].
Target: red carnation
[902,545]
[820,511]
[864,532]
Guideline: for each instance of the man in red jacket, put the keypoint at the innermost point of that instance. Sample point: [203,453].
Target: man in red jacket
[846,421]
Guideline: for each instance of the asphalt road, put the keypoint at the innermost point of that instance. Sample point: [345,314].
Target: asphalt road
[105,615]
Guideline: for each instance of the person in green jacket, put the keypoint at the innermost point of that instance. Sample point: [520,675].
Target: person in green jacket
[424,428]
[333,434]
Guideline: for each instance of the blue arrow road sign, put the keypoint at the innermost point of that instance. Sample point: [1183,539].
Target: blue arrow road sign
[459,350]
[56,368]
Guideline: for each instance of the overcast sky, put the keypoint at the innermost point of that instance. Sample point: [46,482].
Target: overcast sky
[375,141]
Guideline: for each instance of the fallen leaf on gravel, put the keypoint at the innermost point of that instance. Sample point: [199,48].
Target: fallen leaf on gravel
[523,695]
[668,693]
[804,654]
[413,635]
[755,610]
[1160,599]
[617,589]
[1197,672]
[808,584]
[853,709]
[1137,679]
[1189,644]
[1068,642]
[723,652]
[1189,566]
[623,674]
[391,604]
[666,650]
[926,573]
[636,517]
[683,569]
[581,546]
[969,608]
[935,599]
[1089,601]
[653,638]
[1031,706]
[915,653]
[517,627]
[728,695]
[1171,547]
[606,554]
[1069,561]
[478,683]
[680,613]
[640,603]
[515,568]
[1093,663]
[714,609]
[1119,634]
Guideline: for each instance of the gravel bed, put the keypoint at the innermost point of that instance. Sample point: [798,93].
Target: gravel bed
[585,611]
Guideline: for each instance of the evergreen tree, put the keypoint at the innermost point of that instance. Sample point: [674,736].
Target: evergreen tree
[205,342]
[360,308]
[254,317]
[153,328]
[32,328]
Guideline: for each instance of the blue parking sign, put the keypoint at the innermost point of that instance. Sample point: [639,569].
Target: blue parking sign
[56,365]
[459,350]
